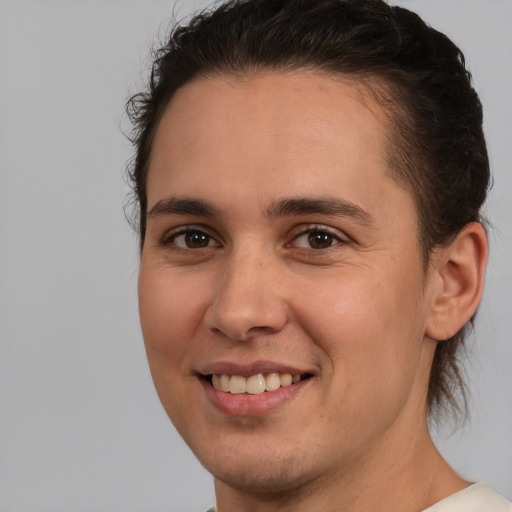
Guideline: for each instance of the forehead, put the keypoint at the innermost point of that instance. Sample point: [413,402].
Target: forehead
[309,104]
[312,133]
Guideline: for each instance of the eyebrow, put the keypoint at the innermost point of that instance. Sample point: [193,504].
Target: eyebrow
[185,206]
[283,208]
[323,206]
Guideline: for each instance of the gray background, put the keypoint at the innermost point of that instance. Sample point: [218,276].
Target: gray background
[81,428]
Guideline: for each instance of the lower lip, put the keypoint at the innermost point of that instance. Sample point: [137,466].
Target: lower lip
[252,405]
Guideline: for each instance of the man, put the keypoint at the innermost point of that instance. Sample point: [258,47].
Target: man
[310,176]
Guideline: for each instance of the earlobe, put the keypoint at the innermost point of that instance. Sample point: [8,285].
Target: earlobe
[456,281]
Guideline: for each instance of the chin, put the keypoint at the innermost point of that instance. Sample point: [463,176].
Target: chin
[259,481]
[266,472]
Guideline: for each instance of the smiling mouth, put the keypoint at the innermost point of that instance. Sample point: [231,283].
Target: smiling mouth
[255,384]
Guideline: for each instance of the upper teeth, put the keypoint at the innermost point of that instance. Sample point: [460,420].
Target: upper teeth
[255,384]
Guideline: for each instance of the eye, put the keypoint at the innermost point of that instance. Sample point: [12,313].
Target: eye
[316,238]
[192,239]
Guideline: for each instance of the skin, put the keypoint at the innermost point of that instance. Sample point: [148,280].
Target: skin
[358,315]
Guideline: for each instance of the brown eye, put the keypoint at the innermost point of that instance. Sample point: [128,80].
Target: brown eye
[320,239]
[316,239]
[193,239]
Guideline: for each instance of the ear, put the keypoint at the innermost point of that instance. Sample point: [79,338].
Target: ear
[456,282]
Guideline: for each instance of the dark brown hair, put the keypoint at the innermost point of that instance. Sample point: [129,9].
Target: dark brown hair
[437,148]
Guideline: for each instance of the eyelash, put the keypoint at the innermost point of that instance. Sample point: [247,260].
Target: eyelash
[330,236]
[334,237]
[170,239]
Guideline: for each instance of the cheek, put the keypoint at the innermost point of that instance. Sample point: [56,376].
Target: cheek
[370,329]
[169,315]
[359,307]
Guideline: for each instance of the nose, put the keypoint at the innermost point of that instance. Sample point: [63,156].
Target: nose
[248,299]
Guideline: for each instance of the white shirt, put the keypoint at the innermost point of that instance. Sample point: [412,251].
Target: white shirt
[478,497]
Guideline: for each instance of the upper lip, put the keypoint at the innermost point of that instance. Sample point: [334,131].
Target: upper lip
[246,370]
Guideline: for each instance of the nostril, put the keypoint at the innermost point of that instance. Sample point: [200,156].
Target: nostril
[256,331]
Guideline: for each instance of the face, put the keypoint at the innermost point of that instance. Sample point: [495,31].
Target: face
[282,294]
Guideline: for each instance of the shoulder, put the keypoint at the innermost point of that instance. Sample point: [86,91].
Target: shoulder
[478,497]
